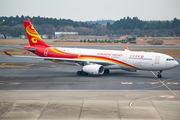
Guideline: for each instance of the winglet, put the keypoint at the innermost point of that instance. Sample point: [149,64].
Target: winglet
[7,53]
[126,48]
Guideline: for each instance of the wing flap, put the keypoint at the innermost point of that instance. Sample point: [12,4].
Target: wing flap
[79,61]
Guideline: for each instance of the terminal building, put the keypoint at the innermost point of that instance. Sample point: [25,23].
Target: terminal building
[61,34]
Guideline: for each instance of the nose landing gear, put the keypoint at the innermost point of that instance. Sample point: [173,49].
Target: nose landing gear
[159,74]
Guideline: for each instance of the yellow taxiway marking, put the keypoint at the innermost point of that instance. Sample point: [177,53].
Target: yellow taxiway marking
[174,83]
[126,82]
[164,84]
[131,106]
[167,96]
[171,79]
[153,83]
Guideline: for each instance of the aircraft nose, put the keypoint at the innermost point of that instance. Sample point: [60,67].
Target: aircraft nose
[176,63]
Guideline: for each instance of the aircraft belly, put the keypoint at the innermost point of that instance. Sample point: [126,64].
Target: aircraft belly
[112,67]
[145,65]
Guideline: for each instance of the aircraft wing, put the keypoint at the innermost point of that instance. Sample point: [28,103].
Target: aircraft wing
[77,61]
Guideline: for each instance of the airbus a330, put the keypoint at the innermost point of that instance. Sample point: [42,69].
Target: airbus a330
[94,61]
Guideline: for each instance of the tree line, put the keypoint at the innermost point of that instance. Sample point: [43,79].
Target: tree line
[141,28]
[13,26]
[130,40]
[135,23]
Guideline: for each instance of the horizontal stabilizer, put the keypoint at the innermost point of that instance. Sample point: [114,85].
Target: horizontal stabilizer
[7,53]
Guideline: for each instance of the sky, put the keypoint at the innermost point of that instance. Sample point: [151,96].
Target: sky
[92,10]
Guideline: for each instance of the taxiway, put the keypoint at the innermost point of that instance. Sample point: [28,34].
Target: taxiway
[46,90]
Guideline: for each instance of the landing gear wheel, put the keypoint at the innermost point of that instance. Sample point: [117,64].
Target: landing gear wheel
[106,71]
[159,74]
[81,73]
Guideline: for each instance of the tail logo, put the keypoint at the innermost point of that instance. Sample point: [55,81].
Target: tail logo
[32,32]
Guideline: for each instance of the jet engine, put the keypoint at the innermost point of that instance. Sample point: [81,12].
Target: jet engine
[94,69]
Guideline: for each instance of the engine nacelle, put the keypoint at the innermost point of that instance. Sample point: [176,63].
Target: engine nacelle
[94,69]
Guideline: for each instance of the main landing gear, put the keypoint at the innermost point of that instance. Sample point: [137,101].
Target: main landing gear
[159,74]
[81,73]
[106,71]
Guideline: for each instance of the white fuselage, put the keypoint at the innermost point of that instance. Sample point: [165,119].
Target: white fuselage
[140,60]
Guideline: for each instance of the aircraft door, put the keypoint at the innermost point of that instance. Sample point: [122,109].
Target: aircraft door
[157,59]
[124,58]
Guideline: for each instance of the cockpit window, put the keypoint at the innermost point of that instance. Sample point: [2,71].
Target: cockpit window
[169,59]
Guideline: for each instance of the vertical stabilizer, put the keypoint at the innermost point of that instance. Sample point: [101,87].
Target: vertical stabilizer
[33,37]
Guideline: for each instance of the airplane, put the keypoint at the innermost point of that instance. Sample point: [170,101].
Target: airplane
[95,61]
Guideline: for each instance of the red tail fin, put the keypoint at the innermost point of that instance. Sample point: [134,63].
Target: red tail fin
[33,37]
